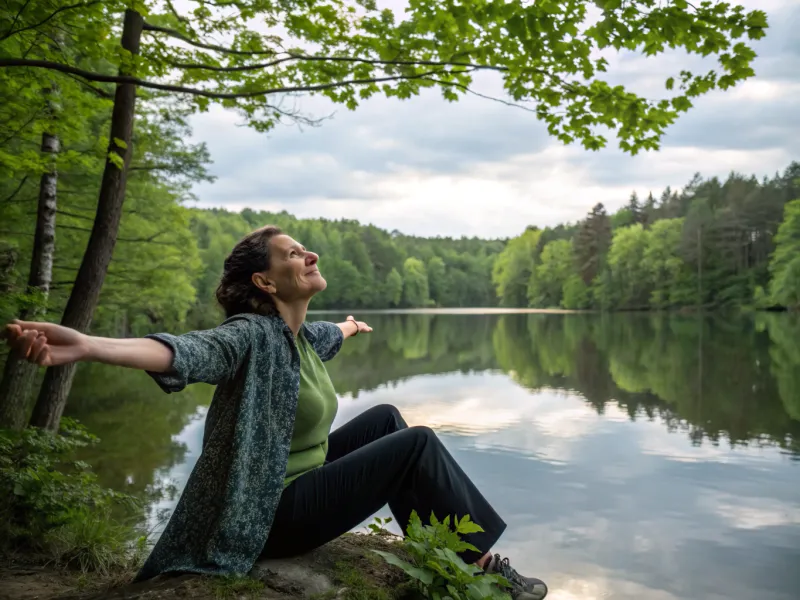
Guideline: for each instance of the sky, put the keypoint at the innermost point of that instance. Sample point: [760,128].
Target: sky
[425,166]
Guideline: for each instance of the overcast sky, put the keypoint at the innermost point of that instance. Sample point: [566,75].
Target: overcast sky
[429,167]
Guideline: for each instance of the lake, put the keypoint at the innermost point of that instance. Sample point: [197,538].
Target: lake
[633,456]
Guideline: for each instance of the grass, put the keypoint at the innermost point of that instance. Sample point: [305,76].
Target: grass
[93,543]
[359,587]
[225,588]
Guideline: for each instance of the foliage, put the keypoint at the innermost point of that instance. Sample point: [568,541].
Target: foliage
[435,565]
[629,278]
[591,244]
[514,267]
[715,244]
[52,503]
[785,264]
[556,265]
[415,282]
[550,53]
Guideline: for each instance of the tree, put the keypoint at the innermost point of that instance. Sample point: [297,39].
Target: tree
[629,277]
[415,283]
[785,263]
[18,374]
[394,288]
[94,266]
[514,268]
[667,274]
[436,280]
[635,209]
[40,108]
[592,242]
[556,266]
[649,211]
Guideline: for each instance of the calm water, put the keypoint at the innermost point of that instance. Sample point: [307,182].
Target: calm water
[632,456]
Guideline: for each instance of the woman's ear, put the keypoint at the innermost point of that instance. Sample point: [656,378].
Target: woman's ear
[262,282]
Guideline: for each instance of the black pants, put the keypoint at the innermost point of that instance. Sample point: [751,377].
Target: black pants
[373,460]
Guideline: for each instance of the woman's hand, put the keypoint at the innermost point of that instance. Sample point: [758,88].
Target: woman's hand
[352,327]
[46,344]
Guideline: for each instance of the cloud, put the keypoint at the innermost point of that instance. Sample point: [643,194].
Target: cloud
[478,167]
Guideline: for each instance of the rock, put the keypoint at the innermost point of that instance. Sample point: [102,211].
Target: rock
[295,576]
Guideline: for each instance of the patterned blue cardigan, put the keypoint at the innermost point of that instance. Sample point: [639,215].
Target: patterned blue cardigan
[223,517]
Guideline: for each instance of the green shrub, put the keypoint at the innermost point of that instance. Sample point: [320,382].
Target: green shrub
[435,567]
[52,504]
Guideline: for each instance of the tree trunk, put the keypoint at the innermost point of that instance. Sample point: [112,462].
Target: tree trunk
[91,275]
[18,375]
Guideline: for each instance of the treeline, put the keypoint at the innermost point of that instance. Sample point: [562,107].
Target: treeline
[714,244]
[365,266]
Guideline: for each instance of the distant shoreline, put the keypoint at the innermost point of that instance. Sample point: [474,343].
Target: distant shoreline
[451,311]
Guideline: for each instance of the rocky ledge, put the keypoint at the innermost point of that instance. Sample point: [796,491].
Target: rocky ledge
[345,569]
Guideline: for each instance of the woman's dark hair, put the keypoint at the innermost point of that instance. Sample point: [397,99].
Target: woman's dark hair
[236,291]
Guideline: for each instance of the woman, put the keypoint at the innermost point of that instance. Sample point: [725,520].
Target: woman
[273,480]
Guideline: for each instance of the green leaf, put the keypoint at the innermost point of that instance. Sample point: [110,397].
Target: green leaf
[422,575]
[116,160]
[19,490]
[120,143]
[465,526]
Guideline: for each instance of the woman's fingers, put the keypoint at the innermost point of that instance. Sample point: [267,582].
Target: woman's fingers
[11,333]
[37,347]
[45,359]
[25,341]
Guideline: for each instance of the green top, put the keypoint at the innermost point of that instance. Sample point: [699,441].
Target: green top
[316,409]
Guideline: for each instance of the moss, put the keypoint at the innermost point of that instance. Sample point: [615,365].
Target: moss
[235,587]
[356,585]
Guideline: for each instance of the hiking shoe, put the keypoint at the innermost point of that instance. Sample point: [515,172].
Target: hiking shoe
[522,588]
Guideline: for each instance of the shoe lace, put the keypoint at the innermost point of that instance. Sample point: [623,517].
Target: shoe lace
[507,571]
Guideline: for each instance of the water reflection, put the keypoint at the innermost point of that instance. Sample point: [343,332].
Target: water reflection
[713,379]
[632,456]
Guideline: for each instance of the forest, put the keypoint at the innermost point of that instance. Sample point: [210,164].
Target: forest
[713,244]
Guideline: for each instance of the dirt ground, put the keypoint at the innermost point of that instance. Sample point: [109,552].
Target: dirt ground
[345,569]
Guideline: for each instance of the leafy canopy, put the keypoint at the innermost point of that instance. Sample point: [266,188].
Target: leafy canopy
[256,56]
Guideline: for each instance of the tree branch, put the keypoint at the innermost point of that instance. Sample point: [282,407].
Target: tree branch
[96,90]
[21,128]
[16,191]
[469,90]
[16,18]
[91,76]
[178,35]
[175,12]
[73,215]
[11,30]
[349,59]
[162,167]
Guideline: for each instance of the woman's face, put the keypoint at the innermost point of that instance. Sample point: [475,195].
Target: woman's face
[293,273]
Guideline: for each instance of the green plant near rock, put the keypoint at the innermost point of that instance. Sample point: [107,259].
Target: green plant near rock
[51,504]
[435,567]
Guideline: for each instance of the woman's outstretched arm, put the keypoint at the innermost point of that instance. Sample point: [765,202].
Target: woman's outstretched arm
[48,344]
